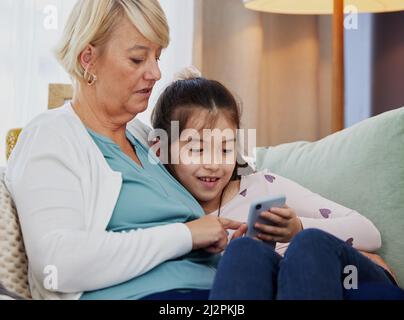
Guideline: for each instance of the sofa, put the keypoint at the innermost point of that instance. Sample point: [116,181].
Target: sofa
[361,167]
[13,260]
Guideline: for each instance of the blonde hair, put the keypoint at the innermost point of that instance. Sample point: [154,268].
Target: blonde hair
[92,22]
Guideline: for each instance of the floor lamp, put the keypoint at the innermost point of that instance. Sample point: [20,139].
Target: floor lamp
[336,8]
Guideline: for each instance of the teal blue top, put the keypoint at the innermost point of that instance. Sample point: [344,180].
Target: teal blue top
[150,197]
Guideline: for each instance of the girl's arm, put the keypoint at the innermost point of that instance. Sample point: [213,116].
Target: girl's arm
[315,211]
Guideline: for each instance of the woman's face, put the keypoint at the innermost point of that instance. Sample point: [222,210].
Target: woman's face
[127,70]
[206,164]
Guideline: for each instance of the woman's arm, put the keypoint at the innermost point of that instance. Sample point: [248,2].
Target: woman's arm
[44,177]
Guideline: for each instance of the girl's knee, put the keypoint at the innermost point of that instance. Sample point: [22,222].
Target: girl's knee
[252,247]
[312,238]
[312,234]
[243,244]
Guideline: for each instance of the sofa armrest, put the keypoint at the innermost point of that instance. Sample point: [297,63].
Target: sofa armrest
[11,141]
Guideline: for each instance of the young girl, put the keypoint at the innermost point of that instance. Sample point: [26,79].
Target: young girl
[314,259]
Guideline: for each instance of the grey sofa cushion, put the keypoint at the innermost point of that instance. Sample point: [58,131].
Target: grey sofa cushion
[7,295]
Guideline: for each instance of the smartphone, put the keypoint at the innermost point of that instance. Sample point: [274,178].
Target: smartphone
[257,207]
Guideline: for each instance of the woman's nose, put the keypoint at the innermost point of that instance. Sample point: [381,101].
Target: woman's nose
[153,71]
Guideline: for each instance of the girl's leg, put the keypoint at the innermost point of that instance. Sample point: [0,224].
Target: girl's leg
[318,265]
[248,270]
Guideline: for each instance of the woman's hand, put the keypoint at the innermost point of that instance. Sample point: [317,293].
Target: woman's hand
[287,225]
[209,233]
[240,232]
[379,261]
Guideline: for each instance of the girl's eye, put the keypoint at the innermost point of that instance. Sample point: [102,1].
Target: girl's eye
[137,61]
[196,150]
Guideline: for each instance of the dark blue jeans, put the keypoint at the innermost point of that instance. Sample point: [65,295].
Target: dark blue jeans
[312,268]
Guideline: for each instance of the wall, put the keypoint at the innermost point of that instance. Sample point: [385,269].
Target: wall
[228,49]
[275,63]
[281,67]
[358,70]
[388,62]
[179,54]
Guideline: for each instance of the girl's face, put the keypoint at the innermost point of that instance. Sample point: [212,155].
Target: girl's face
[207,161]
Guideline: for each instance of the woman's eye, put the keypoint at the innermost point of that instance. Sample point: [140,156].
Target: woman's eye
[137,61]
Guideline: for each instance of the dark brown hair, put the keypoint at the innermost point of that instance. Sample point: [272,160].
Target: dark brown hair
[179,100]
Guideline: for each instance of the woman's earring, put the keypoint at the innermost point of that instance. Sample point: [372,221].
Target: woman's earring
[89,77]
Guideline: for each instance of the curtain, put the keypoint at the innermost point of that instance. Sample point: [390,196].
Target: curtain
[29,30]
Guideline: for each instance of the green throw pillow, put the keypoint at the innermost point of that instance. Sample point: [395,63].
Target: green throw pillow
[361,167]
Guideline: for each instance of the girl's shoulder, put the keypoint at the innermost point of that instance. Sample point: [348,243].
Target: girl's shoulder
[264,175]
[269,181]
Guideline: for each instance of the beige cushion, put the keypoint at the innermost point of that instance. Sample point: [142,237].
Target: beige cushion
[13,260]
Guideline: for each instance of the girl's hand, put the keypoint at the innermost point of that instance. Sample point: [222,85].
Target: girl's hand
[379,261]
[287,225]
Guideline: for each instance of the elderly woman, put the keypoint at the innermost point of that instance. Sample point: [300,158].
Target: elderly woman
[94,212]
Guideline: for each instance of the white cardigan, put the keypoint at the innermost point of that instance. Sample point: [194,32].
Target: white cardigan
[65,194]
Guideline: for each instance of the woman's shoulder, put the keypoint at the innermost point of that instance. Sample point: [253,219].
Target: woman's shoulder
[55,119]
[59,128]
[52,133]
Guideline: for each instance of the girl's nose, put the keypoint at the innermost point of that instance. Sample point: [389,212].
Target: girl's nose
[212,167]
[211,164]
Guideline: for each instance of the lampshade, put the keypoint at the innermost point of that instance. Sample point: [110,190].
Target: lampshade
[322,6]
